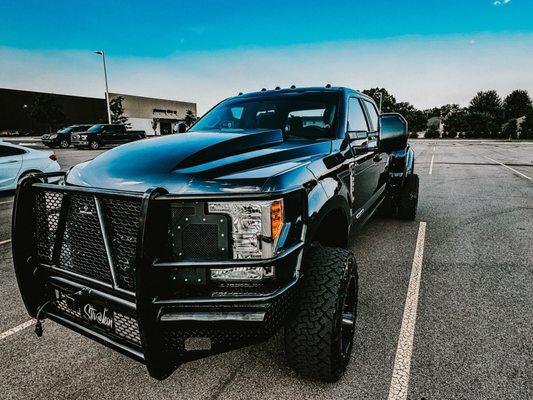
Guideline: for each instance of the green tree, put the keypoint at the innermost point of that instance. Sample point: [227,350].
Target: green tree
[117,111]
[416,119]
[526,129]
[455,123]
[517,104]
[488,102]
[388,101]
[481,125]
[509,130]
[46,111]
[190,118]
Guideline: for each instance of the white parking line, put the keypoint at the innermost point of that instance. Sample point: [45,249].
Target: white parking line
[502,164]
[6,202]
[506,166]
[431,164]
[402,363]
[16,329]
[5,241]
[28,144]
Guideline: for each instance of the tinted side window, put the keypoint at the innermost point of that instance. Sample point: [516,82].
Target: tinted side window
[373,113]
[356,117]
[6,151]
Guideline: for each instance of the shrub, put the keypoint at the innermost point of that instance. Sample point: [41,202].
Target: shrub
[526,129]
[432,133]
[509,130]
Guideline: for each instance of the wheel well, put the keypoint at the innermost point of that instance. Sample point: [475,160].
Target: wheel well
[30,171]
[332,230]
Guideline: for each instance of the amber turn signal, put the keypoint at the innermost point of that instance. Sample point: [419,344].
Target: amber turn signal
[276,218]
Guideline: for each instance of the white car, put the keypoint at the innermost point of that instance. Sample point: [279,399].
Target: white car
[18,161]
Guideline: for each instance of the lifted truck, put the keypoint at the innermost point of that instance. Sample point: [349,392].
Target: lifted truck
[100,135]
[189,245]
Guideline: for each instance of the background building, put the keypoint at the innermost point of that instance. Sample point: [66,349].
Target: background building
[28,112]
[155,116]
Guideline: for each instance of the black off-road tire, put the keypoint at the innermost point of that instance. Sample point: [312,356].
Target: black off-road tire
[387,208]
[408,198]
[318,339]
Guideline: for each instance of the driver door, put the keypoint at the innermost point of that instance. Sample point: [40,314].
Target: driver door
[362,171]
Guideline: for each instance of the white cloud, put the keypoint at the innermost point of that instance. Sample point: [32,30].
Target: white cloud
[501,2]
[424,71]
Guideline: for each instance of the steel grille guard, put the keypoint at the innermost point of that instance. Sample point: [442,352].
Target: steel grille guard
[253,319]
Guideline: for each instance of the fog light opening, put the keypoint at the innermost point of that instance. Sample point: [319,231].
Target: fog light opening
[242,274]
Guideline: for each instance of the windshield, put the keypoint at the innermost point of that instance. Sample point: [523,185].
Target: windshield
[95,128]
[301,115]
[65,130]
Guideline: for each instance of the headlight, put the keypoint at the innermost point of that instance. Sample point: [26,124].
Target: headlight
[83,137]
[53,136]
[256,226]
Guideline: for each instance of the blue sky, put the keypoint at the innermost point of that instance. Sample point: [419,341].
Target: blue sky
[166,48]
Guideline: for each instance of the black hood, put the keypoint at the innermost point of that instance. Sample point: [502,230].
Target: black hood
[197,162]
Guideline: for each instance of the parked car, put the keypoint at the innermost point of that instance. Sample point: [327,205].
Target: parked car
[17,162]
[194,244]
[103,134]
[61,138]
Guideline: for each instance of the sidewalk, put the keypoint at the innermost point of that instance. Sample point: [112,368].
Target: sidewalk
[20,139]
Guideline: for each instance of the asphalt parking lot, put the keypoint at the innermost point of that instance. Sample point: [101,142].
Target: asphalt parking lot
[473,303]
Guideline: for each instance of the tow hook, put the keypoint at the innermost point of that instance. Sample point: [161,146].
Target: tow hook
[38,325]
[76,300]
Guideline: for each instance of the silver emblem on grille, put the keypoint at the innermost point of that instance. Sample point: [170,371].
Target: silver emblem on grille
[100,317]
[85,210]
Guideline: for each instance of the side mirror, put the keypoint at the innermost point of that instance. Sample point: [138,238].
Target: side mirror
[182,128]
[393,132]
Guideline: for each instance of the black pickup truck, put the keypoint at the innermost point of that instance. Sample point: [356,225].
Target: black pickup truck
[188,245]
[61,138]
[103,134]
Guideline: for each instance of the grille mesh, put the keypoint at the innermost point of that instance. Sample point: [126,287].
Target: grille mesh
[83,250]
[127,328]
[200,241]
[122,223]
[47,208]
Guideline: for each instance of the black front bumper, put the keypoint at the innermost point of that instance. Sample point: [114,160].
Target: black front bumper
[51,142]
[153,324]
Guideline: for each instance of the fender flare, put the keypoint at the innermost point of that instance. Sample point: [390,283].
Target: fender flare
[334,203]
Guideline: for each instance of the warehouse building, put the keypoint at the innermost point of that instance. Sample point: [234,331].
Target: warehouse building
[28,112]
[154,116]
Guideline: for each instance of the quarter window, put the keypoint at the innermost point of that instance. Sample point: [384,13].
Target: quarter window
[356,116]
[6,151]
[373,114]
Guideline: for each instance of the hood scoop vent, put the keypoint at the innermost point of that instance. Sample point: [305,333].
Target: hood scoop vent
[239,142]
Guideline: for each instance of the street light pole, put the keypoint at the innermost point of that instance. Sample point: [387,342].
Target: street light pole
[101,53]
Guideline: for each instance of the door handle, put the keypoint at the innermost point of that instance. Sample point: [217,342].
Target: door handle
[377,158]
